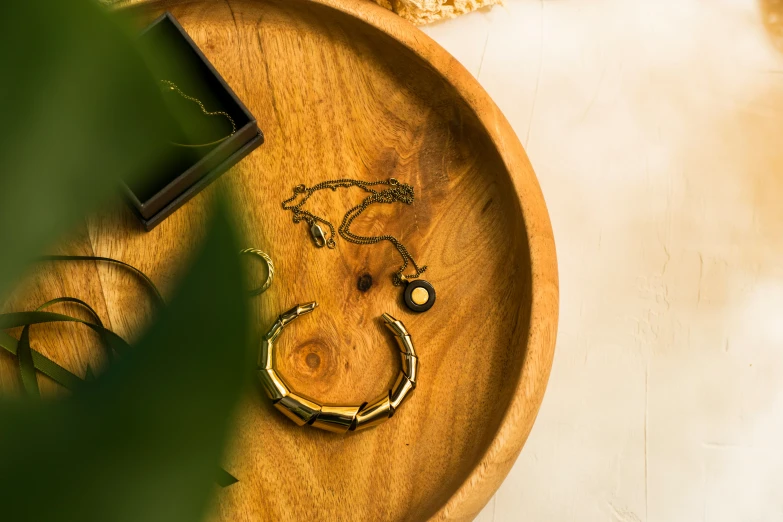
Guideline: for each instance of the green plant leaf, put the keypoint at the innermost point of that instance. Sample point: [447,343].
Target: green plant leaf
[143,441]
[80,111]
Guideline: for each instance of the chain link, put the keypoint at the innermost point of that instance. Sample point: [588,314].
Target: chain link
[173,87]
[397,191]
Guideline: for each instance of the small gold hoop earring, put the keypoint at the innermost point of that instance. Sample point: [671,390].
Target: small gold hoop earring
[335,418]
[270,269]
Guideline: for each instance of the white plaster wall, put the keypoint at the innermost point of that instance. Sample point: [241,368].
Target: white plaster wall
[656,131]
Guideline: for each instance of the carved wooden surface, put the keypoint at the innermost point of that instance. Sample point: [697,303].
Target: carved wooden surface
[348,90]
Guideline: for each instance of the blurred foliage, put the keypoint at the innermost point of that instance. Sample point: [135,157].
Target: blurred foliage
[143,440]
[80,111]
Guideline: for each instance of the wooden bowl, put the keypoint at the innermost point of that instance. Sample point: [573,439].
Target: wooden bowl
[349,90]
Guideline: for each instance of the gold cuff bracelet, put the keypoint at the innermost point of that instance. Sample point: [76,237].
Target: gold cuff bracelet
[338,419]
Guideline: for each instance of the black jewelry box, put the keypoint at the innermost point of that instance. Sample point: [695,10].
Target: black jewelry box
[188,170]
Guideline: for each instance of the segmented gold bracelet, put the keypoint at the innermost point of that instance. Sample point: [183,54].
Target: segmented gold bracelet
[338,419]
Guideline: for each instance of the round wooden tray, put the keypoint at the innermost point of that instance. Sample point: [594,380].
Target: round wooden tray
[346,89]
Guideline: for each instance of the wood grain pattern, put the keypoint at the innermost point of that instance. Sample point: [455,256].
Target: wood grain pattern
[346,89]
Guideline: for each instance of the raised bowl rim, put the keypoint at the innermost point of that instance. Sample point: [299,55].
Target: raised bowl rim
[488,474]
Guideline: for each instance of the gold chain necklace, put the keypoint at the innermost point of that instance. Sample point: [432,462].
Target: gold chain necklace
[171,86]
[396,192]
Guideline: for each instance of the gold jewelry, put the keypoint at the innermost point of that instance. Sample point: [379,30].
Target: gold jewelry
[396,192]
[171,86]
[270,269]
[424,296]
[337,419]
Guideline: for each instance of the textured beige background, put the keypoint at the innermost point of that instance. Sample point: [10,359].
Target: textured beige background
[656,130]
